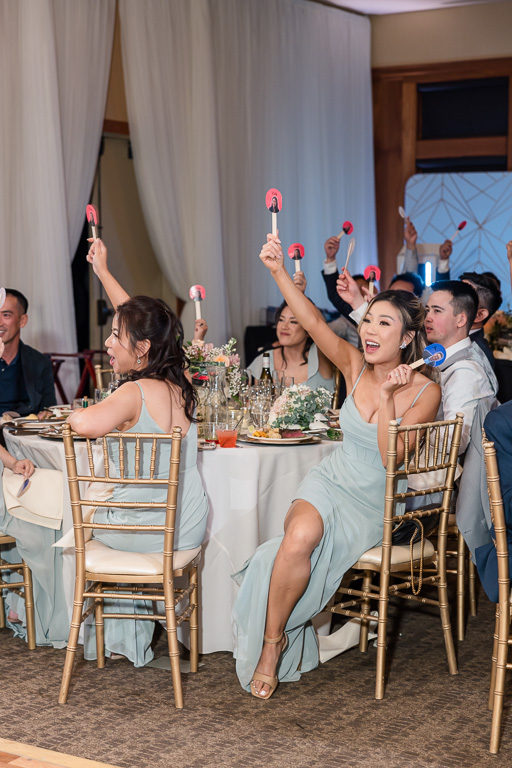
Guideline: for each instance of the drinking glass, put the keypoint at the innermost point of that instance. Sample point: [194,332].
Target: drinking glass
[259,410]
[227,433]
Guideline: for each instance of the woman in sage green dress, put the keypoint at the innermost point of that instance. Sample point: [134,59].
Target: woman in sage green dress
[146,345]
[337,513]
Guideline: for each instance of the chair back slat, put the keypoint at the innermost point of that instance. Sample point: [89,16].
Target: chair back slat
[79,502]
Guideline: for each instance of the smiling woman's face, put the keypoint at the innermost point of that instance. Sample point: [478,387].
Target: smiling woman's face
[381,333]
[289,331]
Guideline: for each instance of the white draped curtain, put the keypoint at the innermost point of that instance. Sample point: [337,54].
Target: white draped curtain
[54,69]
[227,98]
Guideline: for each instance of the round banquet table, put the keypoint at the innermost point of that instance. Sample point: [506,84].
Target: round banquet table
[249,489]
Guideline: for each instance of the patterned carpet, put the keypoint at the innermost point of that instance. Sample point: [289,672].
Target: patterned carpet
[126,716]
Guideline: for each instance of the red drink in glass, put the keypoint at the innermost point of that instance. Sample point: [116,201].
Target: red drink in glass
[226,438]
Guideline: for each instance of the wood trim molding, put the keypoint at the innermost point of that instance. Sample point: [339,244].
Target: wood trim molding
[427,149]
[446,70]
[116,126]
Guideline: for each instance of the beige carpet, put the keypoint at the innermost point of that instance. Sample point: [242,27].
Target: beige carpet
[126,717]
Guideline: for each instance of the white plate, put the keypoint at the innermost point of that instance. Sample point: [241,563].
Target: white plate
[279,440]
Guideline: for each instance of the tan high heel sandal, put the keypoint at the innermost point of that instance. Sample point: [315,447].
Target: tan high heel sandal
[272,682]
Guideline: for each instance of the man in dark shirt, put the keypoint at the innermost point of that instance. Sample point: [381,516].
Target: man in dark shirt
[26,375]
[489,301]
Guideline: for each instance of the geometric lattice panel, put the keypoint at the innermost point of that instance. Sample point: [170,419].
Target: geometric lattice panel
[437,203]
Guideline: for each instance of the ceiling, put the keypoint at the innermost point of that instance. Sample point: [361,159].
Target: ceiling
[380,7]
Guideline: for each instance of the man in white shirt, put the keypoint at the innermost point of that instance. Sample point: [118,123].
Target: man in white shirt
[466,375]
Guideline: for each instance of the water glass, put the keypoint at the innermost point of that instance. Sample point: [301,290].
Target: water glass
[259,411]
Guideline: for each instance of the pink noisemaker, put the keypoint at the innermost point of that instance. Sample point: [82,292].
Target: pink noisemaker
[296,252]
[93,218]
[346,229]
[459,228]
[274,203]
[197,294]
[371,273]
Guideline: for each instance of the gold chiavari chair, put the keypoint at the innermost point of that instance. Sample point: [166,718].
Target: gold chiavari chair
[405,569]
[100,373]
[103,572]
[502,637]
[22,588]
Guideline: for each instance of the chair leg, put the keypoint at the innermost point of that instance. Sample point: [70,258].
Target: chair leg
[76,620]
[28,593]
[461,579]
[99,626]
[365,609]
[172,642]
[2,609]
[499,687]
[472,588]
[382,631]
[194,622]
[442,591]
[494,659]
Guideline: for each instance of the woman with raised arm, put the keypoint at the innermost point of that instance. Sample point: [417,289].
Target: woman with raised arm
[338,509]
[146,346]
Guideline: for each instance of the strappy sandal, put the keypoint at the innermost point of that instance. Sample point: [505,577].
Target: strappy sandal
[272,682]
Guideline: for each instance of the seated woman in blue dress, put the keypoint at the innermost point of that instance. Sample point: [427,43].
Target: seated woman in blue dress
[146,346]
[338,509]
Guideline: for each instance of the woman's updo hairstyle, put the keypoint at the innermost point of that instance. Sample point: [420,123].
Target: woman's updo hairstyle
[144,318]
[413,314]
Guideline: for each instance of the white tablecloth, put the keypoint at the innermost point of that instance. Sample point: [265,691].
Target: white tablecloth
[249,488]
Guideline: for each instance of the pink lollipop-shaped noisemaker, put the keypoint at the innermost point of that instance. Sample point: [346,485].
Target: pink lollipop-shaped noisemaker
[296,252]
[459,228]
[371,273]
[274,203]
[197,294]
[346,229]
[402,212]
[93,218]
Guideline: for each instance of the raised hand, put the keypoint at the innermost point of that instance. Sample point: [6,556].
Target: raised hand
[509,252]
[97,255]
[272,254]
[331,248]
[397,378]
[200,329]
[410,234]
[299,278]
[445,250]
[348,289]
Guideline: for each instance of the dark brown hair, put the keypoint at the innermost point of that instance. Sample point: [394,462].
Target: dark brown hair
[309,340]
[144,318]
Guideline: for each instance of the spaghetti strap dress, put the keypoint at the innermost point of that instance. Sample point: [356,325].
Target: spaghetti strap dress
[130,637]
[347,489]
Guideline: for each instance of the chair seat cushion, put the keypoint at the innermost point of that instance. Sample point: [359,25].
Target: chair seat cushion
[102,559]
[400,554]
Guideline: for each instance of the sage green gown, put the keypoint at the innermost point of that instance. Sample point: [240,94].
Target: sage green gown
[347,489]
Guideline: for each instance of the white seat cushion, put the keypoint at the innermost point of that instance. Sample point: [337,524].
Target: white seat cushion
[400,554]
[102,559]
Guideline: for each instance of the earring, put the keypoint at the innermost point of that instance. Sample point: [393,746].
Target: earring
[138,361]
[403,345]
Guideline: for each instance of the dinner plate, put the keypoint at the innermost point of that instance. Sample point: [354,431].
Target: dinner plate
[279,440]
[35,426]
[50,434]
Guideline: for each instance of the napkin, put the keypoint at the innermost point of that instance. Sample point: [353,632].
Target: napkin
[98,491]
[41,503]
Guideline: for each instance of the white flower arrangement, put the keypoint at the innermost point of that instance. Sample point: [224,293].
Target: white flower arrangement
[298,406]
